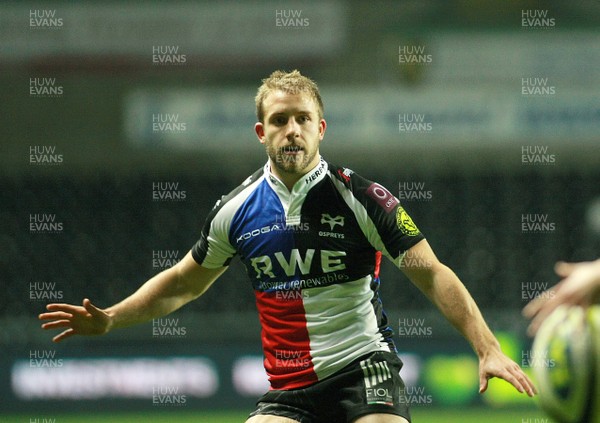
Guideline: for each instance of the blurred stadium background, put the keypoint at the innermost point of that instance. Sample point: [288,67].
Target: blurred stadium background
[123,122]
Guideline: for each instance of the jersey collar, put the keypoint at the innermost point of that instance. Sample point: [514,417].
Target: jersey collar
[304,184]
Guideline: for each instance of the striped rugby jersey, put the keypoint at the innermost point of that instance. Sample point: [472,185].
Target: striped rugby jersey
[312,256]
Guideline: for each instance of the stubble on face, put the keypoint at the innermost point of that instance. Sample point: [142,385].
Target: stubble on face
[295,158]
[292,152]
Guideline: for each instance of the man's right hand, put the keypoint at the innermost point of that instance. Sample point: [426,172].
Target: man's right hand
[78,320]
[160,295]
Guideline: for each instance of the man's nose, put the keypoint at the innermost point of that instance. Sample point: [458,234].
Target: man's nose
[292,129]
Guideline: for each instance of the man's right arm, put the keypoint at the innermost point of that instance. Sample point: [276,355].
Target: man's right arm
[159,296]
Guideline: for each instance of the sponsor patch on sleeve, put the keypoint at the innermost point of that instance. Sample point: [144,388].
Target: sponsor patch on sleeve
[382,196]
[405,223]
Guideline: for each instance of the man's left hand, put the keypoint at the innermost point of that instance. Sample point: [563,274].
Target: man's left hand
[496,364]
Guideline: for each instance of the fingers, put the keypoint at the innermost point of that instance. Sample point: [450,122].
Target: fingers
[541,301]
[564,269]
[548,300]
[72,309]
[68,308]
[534,326]
[91,308]
[535,311]
[510,372]
[483,384]
[540,315]
[521,381]
[514,382]
[532,389]
[57,324]
[60,316]
[86,319]
[532,308]
[64,335]
[55,315]
[538,309]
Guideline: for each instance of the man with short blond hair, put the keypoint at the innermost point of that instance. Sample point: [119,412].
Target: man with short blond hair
[311,236]
[289,82]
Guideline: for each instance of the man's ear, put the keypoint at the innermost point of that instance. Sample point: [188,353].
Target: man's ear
[322,128]
[259,128]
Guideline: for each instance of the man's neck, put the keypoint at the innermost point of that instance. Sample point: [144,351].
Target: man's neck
[289,179]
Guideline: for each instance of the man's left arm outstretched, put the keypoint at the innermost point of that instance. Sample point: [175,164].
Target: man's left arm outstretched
[443,288]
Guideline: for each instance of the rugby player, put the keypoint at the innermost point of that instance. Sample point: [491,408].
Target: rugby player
[311,235]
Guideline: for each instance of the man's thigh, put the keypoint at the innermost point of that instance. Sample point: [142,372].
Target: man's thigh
[270,419]
[381,418]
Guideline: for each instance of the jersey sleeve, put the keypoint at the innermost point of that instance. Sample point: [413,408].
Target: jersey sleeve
[213,249]
[384,221]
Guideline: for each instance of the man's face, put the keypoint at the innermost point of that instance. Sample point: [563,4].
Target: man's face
[291,132]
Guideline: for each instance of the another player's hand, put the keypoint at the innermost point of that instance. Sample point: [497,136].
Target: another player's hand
[580,286]
[78,320]
[496,364]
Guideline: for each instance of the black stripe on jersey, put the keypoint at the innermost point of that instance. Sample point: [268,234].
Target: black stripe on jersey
[323,203]
[382,208]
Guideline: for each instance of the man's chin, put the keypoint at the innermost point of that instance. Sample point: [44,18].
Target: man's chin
[291,164]
[299,164]
[292,168]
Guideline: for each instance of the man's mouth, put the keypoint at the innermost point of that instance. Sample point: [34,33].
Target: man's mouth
[291,149]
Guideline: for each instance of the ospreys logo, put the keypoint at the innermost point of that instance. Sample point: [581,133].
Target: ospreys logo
[332,221]
[405,223]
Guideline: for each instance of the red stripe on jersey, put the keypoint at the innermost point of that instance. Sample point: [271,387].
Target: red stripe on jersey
[377,264]
[285,339]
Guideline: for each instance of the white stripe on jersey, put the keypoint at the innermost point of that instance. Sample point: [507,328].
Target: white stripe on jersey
[341,324]
[364,221]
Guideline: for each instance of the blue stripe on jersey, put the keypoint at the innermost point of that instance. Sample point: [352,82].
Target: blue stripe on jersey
[258,230]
